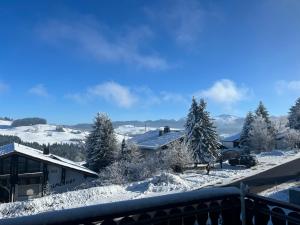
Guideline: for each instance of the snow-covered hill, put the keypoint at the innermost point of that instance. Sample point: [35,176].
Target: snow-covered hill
[45,133]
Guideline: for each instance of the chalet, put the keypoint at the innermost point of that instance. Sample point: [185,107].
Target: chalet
[232,141]
[157,139]
[26,173]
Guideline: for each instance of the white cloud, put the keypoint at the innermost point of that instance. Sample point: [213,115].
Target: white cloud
[111,91]
[104,45]
[39,90]
[126,97]
[283,87]
[224,91]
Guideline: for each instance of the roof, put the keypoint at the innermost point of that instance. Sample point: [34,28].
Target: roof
[152,140]
[232,138]
[37,154]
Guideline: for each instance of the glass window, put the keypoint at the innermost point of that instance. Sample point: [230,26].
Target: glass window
[6,166]
[33,166]
[29,180]
[22,165]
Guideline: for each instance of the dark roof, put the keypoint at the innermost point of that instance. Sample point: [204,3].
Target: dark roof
[152,140]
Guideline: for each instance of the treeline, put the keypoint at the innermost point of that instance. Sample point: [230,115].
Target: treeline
[259,133]
[74,152]
[6,118]
[28,122]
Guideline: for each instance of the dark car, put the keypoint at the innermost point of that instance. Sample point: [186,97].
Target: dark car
[245,160]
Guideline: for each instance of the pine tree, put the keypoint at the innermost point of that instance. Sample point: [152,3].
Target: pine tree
[202,138]
[262,112]
[101,144]
[294,116]
[192,118]
[245,134]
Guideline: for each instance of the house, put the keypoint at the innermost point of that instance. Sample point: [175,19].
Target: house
[157,139]
[26,173]
[232,141]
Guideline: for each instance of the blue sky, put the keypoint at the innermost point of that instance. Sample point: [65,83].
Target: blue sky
[67,60]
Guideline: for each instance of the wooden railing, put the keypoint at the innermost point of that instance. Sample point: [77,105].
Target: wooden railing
[207,206]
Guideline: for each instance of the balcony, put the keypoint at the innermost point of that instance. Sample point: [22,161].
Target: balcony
[206,206]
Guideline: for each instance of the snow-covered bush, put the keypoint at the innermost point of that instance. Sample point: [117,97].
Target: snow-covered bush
[290,139]
[260,137]
[59,129]
[177,157]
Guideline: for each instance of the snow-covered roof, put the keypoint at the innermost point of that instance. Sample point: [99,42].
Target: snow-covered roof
[232,138]
[152,139]
[37,154]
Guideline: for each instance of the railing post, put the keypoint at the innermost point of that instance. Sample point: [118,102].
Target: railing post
[243,206]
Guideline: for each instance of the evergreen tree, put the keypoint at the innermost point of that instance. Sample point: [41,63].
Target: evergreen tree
[192,118]
[294,116]
[101,144]
[262,112]
[202,140]
[245,134]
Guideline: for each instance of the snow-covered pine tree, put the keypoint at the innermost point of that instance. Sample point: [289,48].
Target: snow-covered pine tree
[101,143]
[262,112]
[202,138]
[191,139]
[294,116]
[245,134]
[192,118]
[260,137]
[210,142]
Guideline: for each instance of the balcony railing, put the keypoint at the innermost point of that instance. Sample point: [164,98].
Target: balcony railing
[207,206]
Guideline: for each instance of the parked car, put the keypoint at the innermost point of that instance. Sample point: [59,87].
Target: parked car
[245,160]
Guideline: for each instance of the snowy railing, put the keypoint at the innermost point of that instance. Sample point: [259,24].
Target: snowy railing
[207,206]
[263,211]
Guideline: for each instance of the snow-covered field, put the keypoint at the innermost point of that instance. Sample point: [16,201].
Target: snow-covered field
[161,184]
[46,133]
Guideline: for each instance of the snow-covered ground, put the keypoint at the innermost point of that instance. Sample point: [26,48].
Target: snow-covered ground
[281,192]
[161,184]
[45,133]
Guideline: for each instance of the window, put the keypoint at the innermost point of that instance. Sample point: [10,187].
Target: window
[6,166]
[33,166]
[26,165]
[63,175]
[22,165]
[29,180]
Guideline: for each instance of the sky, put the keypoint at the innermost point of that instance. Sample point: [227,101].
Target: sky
[139,60]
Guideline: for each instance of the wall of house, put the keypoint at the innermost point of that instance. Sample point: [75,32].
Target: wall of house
[71,178]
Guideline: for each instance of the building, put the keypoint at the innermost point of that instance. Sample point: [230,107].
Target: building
[232,141]
[26,173]
[157,139]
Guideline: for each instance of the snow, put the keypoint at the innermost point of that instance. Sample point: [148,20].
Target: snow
[6,149]
[45,133]
[280,192]
[5,123]
[161,184]
[130,130]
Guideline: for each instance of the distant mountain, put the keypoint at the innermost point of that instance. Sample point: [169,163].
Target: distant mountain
[226,124]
